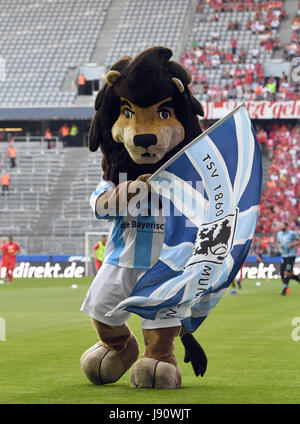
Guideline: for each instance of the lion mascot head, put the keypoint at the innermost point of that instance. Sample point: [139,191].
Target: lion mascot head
[145,113]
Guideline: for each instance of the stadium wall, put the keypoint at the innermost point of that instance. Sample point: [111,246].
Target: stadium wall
[213,110]
[65,266]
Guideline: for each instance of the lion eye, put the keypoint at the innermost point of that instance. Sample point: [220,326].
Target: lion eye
[127,113]
[164,114]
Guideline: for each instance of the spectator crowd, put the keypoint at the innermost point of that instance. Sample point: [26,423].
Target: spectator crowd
[241,74]
[292,49]
[240,5]
[281,197]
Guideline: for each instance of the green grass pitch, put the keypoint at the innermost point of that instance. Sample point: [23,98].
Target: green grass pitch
[251,355]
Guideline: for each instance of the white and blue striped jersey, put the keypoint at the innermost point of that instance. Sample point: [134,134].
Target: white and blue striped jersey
[133,241]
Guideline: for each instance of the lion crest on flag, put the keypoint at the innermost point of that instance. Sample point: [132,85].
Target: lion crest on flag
[214,240]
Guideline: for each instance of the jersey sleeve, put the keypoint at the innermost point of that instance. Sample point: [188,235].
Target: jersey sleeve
[295,236]
[96,246]
[102,187]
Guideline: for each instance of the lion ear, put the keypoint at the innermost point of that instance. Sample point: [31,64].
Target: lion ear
[112,77]
[178,84]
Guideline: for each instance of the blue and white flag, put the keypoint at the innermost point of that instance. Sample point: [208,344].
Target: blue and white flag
[212,188]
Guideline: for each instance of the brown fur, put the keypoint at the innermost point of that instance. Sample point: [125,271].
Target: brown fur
[144,81]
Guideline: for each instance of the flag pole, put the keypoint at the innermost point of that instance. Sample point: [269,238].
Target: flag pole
[205,133]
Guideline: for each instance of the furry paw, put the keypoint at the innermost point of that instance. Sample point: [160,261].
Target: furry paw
[102,366]
[150,373]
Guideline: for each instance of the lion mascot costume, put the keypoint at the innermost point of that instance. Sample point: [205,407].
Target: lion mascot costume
[145,114]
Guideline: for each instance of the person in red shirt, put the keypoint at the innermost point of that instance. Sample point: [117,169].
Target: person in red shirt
[9,257]
[248,78]
[233,45]
[262,136]
[270,146]
[3,240]
[228,57]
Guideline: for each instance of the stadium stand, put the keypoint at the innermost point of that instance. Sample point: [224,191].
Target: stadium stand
[148,23]
[292,49]
[76,216]
[229,64]
[31,182]
[39,176]
[280,199]
[41,40]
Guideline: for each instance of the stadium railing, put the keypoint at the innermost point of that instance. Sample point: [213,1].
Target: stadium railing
[55,141]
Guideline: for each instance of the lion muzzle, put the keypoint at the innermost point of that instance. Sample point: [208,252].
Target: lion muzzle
[145,140]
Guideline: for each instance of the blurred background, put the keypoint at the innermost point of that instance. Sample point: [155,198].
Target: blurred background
[53,58]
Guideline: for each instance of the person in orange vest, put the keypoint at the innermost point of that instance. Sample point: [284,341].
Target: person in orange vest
[65,133]
[48,136]
[258,92]
[12,152]
[81,84]
[5,183]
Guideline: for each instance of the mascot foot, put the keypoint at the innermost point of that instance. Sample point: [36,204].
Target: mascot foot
[104,366]
[148,373]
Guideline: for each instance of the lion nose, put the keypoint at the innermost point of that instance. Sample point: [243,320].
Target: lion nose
[144,140]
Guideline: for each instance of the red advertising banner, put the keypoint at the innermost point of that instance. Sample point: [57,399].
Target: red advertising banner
[256,109]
